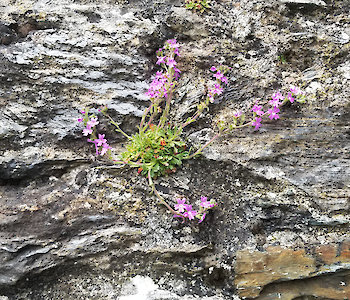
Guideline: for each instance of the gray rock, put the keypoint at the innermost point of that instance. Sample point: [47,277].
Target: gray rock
[76,227]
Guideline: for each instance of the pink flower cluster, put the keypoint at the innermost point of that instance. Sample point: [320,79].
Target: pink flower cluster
[159,86]
[186,211]
[101,145]
[162,82]
[277,100]
[220,78]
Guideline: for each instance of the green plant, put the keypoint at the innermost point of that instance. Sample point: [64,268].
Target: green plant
[282,59]
[197,5]
[158,150]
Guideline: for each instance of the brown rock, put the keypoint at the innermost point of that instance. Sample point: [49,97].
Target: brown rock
[327,253]
[324,287]
[24,29]
[345,252]
[259,274]
[257,269]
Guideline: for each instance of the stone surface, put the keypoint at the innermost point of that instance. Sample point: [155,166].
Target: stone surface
[74,227]
[315,2]
[288,274]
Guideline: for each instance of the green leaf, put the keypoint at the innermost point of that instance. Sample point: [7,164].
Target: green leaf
[156,168]
[189,6]
[176,161]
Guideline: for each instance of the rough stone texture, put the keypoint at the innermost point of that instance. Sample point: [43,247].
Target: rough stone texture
[73,227]
[255,270]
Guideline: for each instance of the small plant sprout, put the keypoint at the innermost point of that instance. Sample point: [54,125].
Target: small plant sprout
[158,147]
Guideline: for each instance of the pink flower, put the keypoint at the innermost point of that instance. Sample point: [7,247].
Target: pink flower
[290,98]
[275,103]
[257,123]
[190,214]
[273,113]
[218,89]
[180,206]
[80,120]
[213,69]
[159,74]
[177,73]
[295,90]
[161,60]
[92,123]
[171,62]
[277,96]
[105,148]
[205,204]
[275,99]
[218,75]
[150,94]
[188,207]
[224,79]
[101,140]
[165,95]
[87,131]
[258,110]
[237,114]
[173,43]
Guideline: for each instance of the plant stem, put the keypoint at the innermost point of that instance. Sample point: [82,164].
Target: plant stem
[160,198]
[152,116]
[202,148]
[199,111]
[242,126]
[227,130]
[116,125]
[130,163]
[164,116]
[193,118]
[144,116]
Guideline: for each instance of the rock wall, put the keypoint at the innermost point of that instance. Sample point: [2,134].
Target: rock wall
[73,227]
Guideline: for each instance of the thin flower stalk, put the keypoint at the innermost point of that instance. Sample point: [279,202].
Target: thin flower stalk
[160,198]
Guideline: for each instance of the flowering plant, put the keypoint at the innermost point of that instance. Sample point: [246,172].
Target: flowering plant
[158,151]
[90,121]
[158,147]
[198,5]
[184,210]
